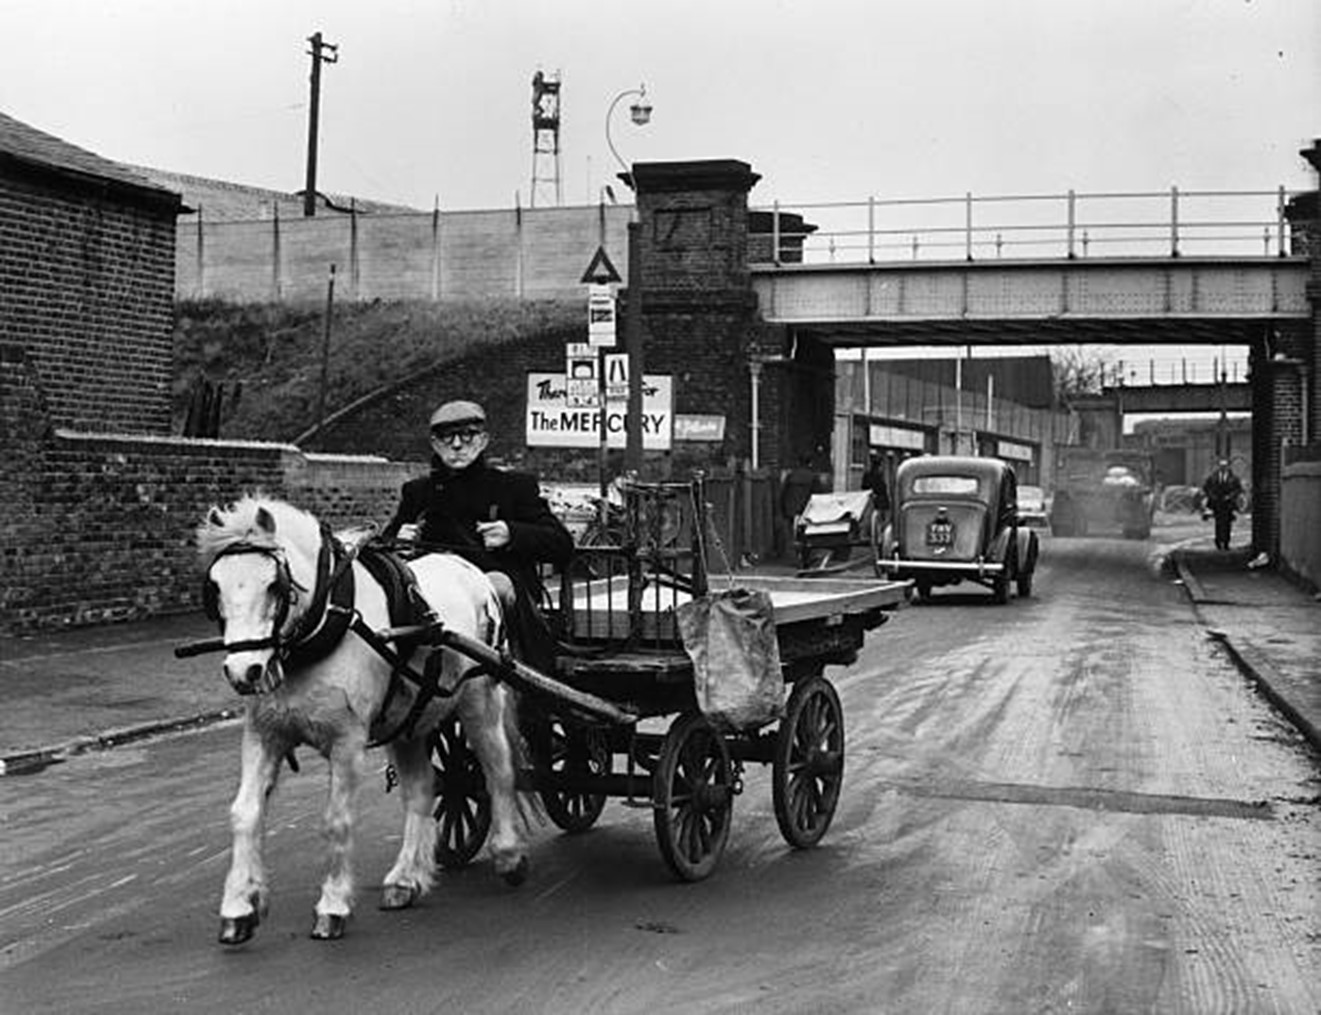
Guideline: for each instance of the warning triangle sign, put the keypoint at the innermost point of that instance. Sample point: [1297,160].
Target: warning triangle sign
[601,270]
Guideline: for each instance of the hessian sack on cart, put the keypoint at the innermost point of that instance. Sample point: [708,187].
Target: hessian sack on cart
[730,637]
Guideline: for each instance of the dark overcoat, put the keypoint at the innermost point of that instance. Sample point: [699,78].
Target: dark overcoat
[447,506]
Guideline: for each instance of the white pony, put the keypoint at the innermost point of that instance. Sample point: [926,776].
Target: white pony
[297,615]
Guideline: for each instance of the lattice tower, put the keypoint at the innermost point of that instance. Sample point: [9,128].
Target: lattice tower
[546,188]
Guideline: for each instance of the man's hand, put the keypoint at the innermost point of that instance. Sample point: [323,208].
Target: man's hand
[494,534]
[408,533]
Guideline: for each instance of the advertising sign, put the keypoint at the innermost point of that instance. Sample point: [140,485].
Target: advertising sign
[553,423]
[699,428]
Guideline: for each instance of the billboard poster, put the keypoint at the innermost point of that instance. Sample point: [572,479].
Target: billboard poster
[553,423]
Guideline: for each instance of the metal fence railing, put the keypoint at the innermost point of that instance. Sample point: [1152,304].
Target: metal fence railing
[1074,224]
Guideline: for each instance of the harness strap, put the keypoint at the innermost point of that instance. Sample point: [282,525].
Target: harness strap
[428,685]
[328,616]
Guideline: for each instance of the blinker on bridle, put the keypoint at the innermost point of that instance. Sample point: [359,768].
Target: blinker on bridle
[286,588]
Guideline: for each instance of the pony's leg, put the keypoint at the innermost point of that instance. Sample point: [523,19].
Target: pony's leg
[412,874]
[486,712]
[245,901]
[347,756]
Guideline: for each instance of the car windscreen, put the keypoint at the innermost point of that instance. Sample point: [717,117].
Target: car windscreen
[961,485]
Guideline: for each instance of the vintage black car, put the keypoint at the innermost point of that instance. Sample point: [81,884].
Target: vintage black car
[956,520]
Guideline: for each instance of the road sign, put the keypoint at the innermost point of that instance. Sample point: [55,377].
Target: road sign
[616,376]
[601,317]
[580,383]
[601,270]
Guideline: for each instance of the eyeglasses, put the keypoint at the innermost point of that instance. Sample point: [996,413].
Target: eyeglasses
[465,436]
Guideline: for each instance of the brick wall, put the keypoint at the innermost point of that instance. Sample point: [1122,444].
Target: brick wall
[1300,521]
[98,527]
[87,286]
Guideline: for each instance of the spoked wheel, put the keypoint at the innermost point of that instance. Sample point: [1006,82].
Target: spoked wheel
[463,805]
[693,797]
[808,766]
[579,755]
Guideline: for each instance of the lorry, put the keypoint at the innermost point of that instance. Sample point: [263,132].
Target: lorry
[1099,490]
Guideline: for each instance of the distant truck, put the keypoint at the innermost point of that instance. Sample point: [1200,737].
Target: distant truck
[1099,491]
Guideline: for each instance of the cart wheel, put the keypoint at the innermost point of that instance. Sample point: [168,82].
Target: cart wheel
[579,754]
[463,806]
[808,767]
[692,797]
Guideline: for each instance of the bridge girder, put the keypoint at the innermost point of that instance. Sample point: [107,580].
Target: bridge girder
[1113,301]
[1183,398]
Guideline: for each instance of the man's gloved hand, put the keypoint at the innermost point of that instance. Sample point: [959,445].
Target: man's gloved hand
[494,534]
[408,533]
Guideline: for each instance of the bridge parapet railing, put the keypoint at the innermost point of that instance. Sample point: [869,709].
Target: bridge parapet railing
[1074,224]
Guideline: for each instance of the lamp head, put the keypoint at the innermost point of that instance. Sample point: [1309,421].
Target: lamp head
[640,111]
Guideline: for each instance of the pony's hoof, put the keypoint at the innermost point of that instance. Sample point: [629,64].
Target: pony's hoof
[329,926]
[234,930]
[516,874]
[398,896]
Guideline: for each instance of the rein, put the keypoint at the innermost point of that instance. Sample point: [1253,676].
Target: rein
[331,615]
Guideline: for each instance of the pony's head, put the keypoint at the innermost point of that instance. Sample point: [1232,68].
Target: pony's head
[259,556]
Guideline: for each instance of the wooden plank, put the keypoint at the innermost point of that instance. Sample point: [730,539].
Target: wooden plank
[600,608]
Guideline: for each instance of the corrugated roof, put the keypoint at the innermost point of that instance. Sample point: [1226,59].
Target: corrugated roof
[25,143]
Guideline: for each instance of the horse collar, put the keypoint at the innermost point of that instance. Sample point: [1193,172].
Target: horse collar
[316,631]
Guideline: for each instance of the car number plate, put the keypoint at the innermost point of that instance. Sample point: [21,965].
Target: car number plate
[940,533]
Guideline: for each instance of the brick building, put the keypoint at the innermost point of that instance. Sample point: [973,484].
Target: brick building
[100,502]
[87,252]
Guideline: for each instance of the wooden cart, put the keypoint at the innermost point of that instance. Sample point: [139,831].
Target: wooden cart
[619,717]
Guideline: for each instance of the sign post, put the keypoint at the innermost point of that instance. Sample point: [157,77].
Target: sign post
[599,277]
[633,350]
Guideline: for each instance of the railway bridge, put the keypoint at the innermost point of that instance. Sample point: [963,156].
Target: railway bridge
[747,305]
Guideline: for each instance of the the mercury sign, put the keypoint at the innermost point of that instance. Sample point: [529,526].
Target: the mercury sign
[552,422]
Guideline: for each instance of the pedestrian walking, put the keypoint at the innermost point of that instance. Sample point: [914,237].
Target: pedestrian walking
[1221,493]
[874,480]
[796,489]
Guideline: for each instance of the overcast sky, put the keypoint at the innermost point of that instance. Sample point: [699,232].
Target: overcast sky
[830,100]
[827,99]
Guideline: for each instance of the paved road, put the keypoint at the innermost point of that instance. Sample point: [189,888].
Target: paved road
[1073,802]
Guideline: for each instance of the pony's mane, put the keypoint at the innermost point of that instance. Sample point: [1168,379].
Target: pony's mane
[237,523]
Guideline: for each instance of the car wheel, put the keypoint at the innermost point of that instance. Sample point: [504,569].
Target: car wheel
[1000,586]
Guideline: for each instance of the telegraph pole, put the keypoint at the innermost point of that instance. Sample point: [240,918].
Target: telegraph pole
[321,52]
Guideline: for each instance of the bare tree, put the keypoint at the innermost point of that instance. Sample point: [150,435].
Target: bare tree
[1080,370]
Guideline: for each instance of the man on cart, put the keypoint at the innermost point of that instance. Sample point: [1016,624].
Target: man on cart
[495,518]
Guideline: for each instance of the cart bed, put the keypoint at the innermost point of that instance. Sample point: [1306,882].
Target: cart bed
[646,669]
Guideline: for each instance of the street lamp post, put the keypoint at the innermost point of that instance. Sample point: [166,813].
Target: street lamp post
[640,113]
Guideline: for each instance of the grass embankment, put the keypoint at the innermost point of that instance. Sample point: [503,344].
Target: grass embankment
[268,357]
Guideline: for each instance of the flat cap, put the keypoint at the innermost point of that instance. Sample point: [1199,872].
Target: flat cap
[454,413]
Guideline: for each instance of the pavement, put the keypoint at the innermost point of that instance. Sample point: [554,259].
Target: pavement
[89,689]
